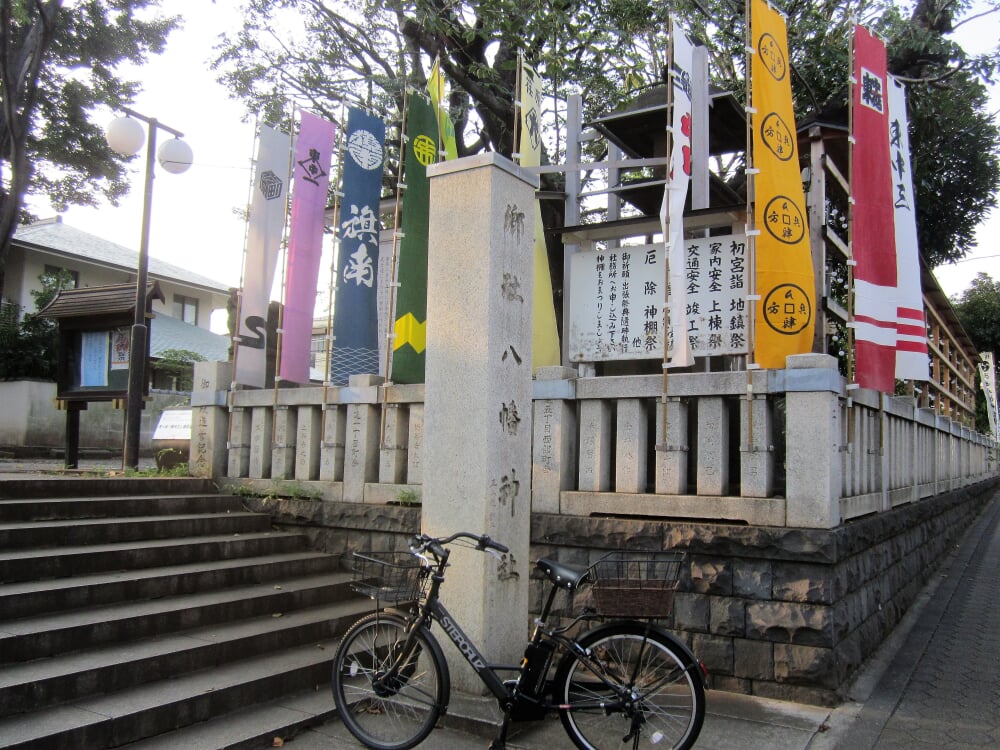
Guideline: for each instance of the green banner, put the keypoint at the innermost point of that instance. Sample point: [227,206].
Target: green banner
[411,295]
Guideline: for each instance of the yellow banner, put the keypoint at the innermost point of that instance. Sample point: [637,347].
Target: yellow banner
[446,129]
[786,311]
[545,337]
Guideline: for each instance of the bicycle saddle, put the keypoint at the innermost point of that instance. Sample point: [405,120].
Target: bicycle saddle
[563,575]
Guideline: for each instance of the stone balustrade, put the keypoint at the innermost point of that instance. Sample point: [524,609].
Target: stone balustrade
[788,447]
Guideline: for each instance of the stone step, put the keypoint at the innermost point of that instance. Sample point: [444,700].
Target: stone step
[47,635]
[109,530]
[26,599]
[40,683]
[104,721]
[47,509]
[250,728]
[75,486]
[63,562]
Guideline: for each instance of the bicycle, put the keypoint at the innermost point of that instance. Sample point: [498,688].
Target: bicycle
[614,684]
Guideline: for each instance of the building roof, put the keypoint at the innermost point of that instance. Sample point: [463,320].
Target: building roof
[53,236]
[93,301]
[170,333]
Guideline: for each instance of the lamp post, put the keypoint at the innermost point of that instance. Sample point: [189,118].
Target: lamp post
[125,136]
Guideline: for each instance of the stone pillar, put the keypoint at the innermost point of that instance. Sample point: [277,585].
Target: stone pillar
[477,441]
[283,445]
[672,447]
[331,452]
[363,425]
[261,431]
[554,437]
[209,419]
[812,458]
[308,428]
[415,446]
[713,446]
[392,451]
[595,445]
[630,448]
[756,440]
[239,442]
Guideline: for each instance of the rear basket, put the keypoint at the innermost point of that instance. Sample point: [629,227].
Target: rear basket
[389,577]
[635,584]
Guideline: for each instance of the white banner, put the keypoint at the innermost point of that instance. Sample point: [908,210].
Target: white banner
[912,360]
[672,211]
[988,382]
[266,225]
[616,297]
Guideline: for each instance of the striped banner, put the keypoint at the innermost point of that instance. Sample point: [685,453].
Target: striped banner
[872,235]
[355,315]
[313,154]
[674,195]
[409,343]
[785,312]
[912,360]
[545,334]
[265,227]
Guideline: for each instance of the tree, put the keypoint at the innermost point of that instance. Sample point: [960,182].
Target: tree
[57,64]
[367,51]
[28,343]
[978,309]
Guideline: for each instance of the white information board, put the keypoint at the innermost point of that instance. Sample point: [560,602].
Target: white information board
[174,424]
[617,298]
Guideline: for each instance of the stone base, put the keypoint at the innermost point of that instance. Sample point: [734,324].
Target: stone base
[776,612]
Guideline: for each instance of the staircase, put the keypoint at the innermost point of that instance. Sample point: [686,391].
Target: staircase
[158,613]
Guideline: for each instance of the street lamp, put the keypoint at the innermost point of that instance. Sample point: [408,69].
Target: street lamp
[125,136]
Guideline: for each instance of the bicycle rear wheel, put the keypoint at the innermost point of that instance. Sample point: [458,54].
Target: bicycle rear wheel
[393,714]
[641,684]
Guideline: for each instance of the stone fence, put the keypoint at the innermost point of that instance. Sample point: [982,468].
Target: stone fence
[788,448]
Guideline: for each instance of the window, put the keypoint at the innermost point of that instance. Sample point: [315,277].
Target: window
[65,279]
[186,309]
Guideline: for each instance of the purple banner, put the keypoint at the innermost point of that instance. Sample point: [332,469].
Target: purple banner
[313,153]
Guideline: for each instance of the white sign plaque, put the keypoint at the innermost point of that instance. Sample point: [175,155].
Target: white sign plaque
[617,297]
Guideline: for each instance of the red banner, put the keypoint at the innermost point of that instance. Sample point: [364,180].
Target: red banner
[872,228]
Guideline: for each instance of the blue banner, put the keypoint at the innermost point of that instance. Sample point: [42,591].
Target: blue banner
[355,313]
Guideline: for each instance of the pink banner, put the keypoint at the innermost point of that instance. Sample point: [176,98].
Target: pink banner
[872,230]
[313,154]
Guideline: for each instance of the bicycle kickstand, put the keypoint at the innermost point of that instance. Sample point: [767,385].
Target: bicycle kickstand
[500,741]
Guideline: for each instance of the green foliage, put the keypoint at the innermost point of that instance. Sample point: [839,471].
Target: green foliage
[28,343]
[368,51]
[177,364]
[978,309]
[408,496]
[177,470]
[59,61]
[294,490]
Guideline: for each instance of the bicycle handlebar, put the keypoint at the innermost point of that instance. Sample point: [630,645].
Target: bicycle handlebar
[435,545]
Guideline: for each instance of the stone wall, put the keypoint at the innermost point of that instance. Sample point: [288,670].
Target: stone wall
[777,612]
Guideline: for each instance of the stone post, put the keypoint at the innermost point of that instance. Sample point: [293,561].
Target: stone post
[630,448]
[713,446]
[209,419]
[756,440]
[331,452]
[362,433]
[554,433]
[812,436]
[308,427]
[239,442]
[261,433]
[595,445]
[672,447]
[283,445]
[477,439]
[415,445]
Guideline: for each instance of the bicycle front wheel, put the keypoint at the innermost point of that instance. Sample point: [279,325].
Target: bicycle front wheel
[638,686]
[398,712]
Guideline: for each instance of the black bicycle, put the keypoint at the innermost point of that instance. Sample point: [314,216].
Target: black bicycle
[616,685]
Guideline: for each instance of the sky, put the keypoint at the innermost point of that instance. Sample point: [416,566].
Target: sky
[194,221]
